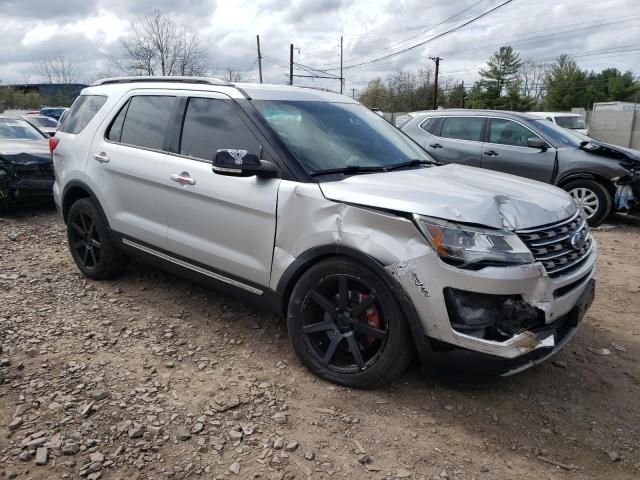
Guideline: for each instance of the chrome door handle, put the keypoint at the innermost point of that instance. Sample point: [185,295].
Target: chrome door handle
[101,157]
[183,178]
[491,153]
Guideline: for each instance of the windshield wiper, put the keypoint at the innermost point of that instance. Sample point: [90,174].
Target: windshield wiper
[348,170]
[409,163]
[353,169]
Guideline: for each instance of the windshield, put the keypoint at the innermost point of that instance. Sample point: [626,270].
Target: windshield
[570,121]
[324,136]
[18,130]
[559,136]
[45,122]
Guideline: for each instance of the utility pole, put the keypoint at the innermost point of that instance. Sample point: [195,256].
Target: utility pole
[353,93]
[435,86]
[462,94]
[341,77]
[259,58]
[291,64]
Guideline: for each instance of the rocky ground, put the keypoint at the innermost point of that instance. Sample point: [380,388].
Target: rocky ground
[150,376]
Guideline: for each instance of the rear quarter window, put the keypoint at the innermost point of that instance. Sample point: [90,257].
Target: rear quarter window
[82,111]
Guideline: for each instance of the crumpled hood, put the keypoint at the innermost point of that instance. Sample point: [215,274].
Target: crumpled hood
[25,152]
[458,193]
[606,149]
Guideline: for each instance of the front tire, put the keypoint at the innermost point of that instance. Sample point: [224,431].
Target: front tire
[345,325]
[592,198]
[90,244]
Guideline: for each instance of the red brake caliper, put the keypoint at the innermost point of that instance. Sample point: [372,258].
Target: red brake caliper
[372,317]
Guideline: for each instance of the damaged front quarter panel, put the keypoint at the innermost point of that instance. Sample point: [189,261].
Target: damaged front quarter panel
[627,196]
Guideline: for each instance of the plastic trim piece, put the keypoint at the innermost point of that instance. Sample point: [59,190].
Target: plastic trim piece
[190,266]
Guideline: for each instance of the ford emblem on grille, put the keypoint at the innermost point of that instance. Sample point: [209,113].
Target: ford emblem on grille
[579,239]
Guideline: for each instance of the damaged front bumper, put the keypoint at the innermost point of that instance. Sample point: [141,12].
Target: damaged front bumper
[513,317]
[24,182]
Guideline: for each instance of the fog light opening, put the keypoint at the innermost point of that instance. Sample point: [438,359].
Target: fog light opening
[490,317]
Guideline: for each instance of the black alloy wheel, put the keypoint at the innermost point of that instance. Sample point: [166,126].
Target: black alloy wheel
[85,240]
[90,244]
[345,325]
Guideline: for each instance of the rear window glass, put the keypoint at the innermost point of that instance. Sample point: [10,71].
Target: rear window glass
[18,130]
[82,111]
[429,125]
[146,121]
[469,128]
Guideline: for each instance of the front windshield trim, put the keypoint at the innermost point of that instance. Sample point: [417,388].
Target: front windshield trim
[337,137]
[556,135]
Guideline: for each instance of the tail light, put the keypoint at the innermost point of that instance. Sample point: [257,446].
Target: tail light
[53,143]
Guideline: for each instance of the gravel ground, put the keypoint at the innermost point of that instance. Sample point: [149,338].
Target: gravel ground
[150,376]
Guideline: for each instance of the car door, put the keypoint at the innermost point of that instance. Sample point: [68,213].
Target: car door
[506,151]
[128,161]
[457,140]
[223,223]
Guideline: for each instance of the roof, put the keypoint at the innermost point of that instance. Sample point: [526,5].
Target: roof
[475,112]
[544,114]
[254,91]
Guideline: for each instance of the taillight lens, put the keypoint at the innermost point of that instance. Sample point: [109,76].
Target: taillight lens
[53,143]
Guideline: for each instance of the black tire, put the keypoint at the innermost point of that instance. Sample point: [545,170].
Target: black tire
[596,191]
[342,311]
[90,243]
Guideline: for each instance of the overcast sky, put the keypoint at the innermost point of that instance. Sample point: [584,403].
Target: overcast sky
[600,34]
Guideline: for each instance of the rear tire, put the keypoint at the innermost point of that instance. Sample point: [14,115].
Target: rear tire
[90,244]
[592,197]
[345,325]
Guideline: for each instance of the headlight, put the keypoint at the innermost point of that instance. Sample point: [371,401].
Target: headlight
[466,246]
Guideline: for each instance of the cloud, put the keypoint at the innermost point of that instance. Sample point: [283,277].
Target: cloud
[89,30]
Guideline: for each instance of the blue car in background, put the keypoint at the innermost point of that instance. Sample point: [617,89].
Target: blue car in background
[53,112]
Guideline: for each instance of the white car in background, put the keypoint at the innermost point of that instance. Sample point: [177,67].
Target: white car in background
[572,121]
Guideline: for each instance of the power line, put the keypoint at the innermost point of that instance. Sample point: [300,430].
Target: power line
[451,30]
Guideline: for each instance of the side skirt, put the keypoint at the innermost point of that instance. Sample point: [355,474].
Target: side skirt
[238,288]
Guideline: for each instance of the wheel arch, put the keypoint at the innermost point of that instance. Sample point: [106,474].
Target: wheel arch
[74,191]
[306,260]
[606,182]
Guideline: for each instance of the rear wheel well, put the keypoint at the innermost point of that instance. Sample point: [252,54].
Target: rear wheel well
[72,196]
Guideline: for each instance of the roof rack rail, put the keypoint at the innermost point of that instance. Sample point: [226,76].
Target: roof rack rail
[173,79]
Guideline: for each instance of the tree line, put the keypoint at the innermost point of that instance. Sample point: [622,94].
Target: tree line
[506,83]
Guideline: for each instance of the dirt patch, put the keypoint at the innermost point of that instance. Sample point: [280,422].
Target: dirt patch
[151,376]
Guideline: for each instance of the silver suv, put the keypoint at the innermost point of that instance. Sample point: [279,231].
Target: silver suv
[312,205]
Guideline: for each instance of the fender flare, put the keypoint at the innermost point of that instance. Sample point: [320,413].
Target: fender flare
[304,261]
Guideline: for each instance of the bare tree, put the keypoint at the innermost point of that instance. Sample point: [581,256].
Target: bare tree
[230,74]
[157,45]
[58,69]
[531,77]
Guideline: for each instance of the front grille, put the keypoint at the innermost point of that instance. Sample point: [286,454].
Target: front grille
[552,244]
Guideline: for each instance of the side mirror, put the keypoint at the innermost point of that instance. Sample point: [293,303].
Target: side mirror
[535,142]
[239,163]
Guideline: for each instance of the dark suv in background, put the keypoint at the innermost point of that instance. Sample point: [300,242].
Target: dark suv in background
[601,178]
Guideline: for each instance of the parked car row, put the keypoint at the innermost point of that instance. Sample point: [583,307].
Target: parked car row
[601,178]
[310,204]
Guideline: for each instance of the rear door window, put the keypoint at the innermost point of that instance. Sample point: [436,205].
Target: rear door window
[211,125]
[506,132]
[82,111]
[463,128]
[145,121]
